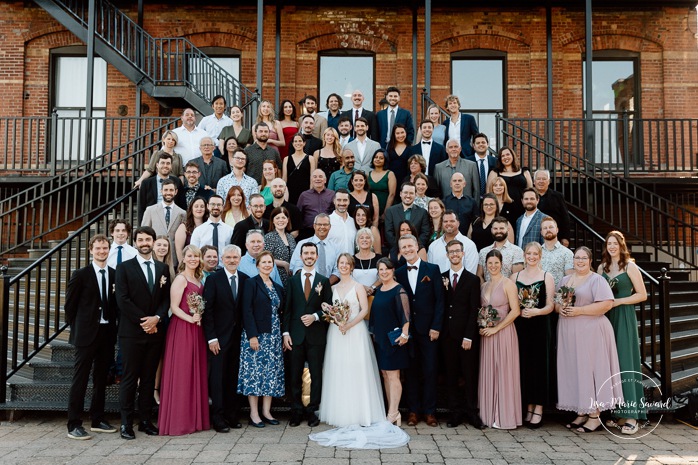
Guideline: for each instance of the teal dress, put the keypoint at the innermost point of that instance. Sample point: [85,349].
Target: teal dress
[624,322]
[268,196]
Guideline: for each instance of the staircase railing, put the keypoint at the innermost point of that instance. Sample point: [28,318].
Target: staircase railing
[30,217]
[655,312]
[659,225]
[32,301]
[163,61]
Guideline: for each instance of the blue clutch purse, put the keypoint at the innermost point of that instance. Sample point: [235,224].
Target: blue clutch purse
[393,335]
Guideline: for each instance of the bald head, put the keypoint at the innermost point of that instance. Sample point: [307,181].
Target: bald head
[457,184]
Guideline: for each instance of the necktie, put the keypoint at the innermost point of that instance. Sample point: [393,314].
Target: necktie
[410,268]
[392,122]
[306,287]
[408,214]
[455,280]
[167,217]
[151,278]
[428,142]
[104,293]
[483,181]
[321,263]
[215,235]
[233,287]
[356,115]
[119,255]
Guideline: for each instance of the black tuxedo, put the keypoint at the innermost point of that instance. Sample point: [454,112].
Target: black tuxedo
[426,313]
[141,352]
[460,321]
[437,154]
[312,144]
[368,116]
[308,341]
[243,227]
[148,194]
[222,320]
[94,342]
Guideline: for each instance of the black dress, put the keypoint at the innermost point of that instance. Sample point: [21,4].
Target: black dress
[354,203]
[481,235]
[398,163]
[298,178]
[328,166]
[390,310]
[515,186]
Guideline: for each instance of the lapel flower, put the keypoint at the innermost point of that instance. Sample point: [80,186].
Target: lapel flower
[425,279]
[113,288]
[318,288]
[446,282]
[163,280]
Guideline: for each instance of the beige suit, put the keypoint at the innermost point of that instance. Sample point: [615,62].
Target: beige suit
[154,217]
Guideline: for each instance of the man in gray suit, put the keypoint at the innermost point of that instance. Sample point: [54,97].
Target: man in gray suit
[406,210]
[362,147]
[455,164]
[165,217]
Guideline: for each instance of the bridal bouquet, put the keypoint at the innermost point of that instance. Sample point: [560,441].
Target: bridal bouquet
[487,317]
[196,304]
[613,282]
[338,313]
[528,296]
[565,296]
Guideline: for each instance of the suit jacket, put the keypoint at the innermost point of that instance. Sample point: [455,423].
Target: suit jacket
[215,171]
[312,144]
[532,233]
[468,169]
[468,128]
[242,228]
[395,214]
[256,306]
[370,117]
[364,163]
[461,307]
[135,300]
[223,315]
[491,162]
[320,125]
[154,217]
[296,306]
[427,302]
[148,194]
[402,116]
[553,204]
[83,304]
[436,155]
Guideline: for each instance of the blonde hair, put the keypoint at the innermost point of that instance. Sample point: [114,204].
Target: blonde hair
[199,271]
[260,118]
[336,146]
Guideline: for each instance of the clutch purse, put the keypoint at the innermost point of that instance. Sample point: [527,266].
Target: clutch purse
[393,335]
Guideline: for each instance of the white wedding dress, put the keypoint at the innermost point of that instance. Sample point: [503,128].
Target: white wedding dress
[352,397]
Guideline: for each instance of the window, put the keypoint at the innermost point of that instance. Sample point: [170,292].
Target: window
[69,87]
[226,58]
[614,91]
[342,72]
[478,79]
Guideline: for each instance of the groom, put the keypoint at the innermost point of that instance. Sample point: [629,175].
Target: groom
[305,332]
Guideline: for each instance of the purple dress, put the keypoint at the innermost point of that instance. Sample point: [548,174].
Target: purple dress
[499,389]
[184,384]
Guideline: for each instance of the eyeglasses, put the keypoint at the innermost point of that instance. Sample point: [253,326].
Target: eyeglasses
[581,258]
[323,225]
[191,172]
[454,252]
[239,158]
[207,145]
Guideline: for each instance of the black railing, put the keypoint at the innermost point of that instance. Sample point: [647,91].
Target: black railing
[654,316]
[427,102]
[32,301]
[607,199]
[28,218]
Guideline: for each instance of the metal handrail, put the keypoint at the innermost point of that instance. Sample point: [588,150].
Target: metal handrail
[427,101]
[32,303]
[657,223]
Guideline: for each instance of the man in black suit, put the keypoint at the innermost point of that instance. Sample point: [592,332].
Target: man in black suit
[358,111]
[222,321]
[432,151]
[312,143]
[91,311]
[256,220]
[150,191]
[425,290]
[143,297]
[484,161]
[461,340]
[305,332]
[406,210]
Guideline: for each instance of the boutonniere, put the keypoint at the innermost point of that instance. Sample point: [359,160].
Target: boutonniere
[446,282]
[425,279]
[163,280]
[113,288]
[318,288]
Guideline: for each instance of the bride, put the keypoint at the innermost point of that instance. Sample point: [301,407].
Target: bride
[351,389]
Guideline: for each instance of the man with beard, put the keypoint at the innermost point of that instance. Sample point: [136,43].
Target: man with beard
[150,192]
[142,290]
[214,231]
[343,230]
[278,192]
[344,128]
[316,200]
[259,152]
[312,142]
[256,220]
[334,106]
[193,188]
[238,178]
[363,147]
[484,161]
[406,210]
[528,224]
[340,178]
[512,255]
[310,108]
[433,152]
[358,111]
[165,217]
[553,204]
[393,115]
[437,249]
[557,259]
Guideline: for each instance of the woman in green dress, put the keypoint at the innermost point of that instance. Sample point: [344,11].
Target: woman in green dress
[628,290]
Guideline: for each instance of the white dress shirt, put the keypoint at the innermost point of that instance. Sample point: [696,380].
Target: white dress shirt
[525,221]
[188,143]
[127,253]
[98,273]
[426,151]
[454,129]
[437,254]
[412,274]
[342,233]
[203,235]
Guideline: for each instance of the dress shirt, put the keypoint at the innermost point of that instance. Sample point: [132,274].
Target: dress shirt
[98,274]
[557,261]
[525,221]
[248,185]
[228,275]
[454,129]
[248,265]
[127,253]
[331,255]
[256,156]
[426,151]
[203,235]
[344,140]
[361,148]
[342,233]
[339,179]
[188,143]
[437,254]
[511,255]
[213,126]
[144,267]
[458,273]
[413,274]
[312,202]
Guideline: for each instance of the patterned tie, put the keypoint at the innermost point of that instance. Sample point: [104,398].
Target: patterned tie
[151,278]
[104,293]
[321,262]
[483,181]
[167,217]
[233,287]
[119,255]
[215,235]
[306,287]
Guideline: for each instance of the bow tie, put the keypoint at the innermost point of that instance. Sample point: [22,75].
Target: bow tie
[428,142]
[410,268]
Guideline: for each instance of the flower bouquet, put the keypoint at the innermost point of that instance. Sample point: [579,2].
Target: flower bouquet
[613,283]
[528,296]
[565,296]
[487,317]
[196,304]
[338,313]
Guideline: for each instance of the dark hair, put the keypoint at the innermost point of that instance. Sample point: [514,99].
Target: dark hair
[396,126]
[413,230]
[168,182]
[381,151]
[369,218]
[407,184]
[490,196]
[343,119]
[362,119]
[499,167]
[308,244]
[145,230]
[164,156]
[116,221]
[310,97]
[217,97]
[306,116]
[342,190]
[258,125]
[276,212]
[226,155]
[206,248]
[217,197]
[530,189]
[454,242]
[494,253]
[450,212]
[189,223]
[339,99]
[500,219]
[254,196]
[98,238]
[192,164]
[424,121]
[392,89]
[293,114]
[478,135]
[367,188]
[385,261]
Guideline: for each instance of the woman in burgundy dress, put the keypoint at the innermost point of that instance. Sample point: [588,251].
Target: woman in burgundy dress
[184,386]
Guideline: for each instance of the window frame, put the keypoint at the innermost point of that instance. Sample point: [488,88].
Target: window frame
[348,53]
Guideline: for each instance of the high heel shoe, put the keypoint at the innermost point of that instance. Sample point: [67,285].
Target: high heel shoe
[532,425]
[582,420]
[395,418]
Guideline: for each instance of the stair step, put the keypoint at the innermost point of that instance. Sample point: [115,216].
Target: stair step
[55,406]
[47,391]
[52,371]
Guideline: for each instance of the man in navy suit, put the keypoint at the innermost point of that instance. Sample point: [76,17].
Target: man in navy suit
[484,161]
[222,322]
[460,126]
[425,290]
[432,151]
[90,309]
[392,115]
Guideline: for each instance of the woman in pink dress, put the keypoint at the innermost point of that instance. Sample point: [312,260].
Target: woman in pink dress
[184,386]
[499,388]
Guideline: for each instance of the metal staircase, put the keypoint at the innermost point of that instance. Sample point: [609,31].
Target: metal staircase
[171,70]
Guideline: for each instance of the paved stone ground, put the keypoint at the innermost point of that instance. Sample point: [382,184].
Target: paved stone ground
[40,438]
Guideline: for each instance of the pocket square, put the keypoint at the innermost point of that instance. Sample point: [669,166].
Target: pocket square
[425,279]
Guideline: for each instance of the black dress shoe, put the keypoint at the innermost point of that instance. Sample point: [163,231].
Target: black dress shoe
[234,423]
[270,421]
[475,421]
[127,432]
[256,425]
[148,428]
[313,420]
[454,421]
[295,420]
[221,428]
